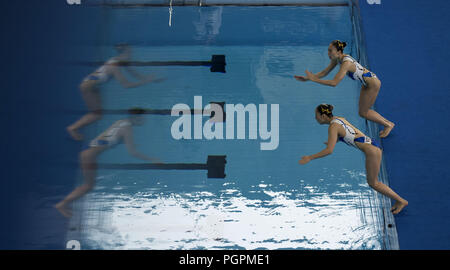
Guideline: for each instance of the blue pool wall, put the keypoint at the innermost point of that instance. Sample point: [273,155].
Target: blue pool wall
[406,42]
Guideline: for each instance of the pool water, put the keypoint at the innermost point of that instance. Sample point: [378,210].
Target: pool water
[267,200]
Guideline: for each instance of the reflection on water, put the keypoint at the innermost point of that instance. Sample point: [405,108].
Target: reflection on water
[305,217]
[208,24]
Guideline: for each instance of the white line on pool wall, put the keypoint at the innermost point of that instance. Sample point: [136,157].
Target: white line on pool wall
[214,128]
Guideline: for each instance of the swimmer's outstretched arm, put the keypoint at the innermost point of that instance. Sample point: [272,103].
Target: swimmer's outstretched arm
[134,73]
[335,81]
[118,75]
[139,76]
[332,139]
[319,75]
[129,143]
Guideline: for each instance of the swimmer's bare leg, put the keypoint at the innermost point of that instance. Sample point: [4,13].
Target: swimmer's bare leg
[62,206]
[73,132]
[373,163]
[377,118]
[387,129]
[83,121]
[367,98]
[88,165]
[91,96]
[63,209]
[398,206]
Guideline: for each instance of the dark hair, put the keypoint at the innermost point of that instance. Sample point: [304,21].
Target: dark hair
[135,111]
[339,45]
[326,109]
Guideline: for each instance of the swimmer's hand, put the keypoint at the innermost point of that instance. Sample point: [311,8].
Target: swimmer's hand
[301,78]
[304,160]
[310,76]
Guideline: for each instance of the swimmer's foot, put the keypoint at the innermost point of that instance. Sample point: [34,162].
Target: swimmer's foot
[385,132]
[62,208]
[398,206]
[74,133]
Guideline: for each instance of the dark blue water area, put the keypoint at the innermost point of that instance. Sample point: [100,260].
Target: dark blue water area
[38,35]
[407,48]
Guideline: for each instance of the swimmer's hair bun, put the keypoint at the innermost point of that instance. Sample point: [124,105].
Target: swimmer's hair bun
[325,109]
[329,107]
[340,45]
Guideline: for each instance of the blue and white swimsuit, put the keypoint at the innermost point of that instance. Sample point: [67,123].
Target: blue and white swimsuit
[103,73]
[350,134]
[359,70]
[110,137]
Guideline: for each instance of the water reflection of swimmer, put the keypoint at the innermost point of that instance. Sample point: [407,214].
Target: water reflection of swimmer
[209,23]
[121,130]
[370,83]
[91,84]
[341,129]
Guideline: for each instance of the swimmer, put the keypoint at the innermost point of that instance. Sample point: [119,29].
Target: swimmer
[91,85]
[121,130]
[341,129]
[370,83]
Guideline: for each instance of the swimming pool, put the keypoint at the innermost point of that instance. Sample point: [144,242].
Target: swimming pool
[266,200]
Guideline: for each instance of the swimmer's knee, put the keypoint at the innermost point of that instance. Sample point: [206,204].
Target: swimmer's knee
[89,166]
[86,158]
[87,85]
[374,184]
[84,87]
[98,114]
[363,114]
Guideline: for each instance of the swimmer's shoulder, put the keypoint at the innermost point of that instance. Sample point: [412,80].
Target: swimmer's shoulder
[347,57]
[336,125]
[359,132]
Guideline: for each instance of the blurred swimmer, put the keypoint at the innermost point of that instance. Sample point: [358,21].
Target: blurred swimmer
[370,83]
[121,130]
[91,85]
[341,129]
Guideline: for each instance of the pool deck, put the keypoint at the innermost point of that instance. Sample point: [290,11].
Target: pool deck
[406,43]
